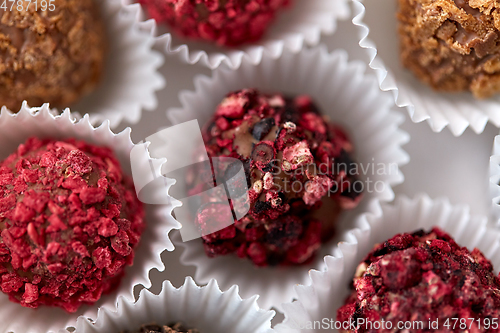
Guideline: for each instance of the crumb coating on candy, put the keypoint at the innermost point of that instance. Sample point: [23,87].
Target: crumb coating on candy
[452,45]
[69,221]
[50,51]
[224,22]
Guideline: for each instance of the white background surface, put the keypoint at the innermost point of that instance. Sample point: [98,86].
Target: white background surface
[440,164]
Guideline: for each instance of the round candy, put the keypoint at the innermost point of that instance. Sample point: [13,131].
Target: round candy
[50,52]
[224,22]
[425,279]
[298,171]
[452,45]
[69,221]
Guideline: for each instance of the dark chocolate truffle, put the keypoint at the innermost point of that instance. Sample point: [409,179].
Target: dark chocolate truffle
[452,45]
[420,278]
[50,54]
[69,220]
[224,22]
[299,174]
[153,328]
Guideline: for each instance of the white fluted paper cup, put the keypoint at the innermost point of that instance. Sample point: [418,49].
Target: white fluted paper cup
[130,76]
[42,122]
[206,308]
[300,24]
[349,98]
[494,180]
[379,36]
[330,288]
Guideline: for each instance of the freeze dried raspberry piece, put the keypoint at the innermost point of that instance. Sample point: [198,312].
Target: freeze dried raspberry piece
[68,235]
[423,277]
[298,172]
[224,22]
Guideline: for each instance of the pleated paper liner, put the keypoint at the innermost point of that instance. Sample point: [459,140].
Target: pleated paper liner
[494,180]
[130,78]
[207,309]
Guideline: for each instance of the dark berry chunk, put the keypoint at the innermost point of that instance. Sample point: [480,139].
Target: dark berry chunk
[262,128]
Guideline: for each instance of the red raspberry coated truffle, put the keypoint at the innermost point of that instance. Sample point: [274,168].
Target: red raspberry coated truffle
[424,277]
[299,175]
[69,220]
[225,22]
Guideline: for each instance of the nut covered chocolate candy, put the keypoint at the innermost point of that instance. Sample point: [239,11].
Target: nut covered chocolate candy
[452,45]
[50,51]
[424,277]
[299,174]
